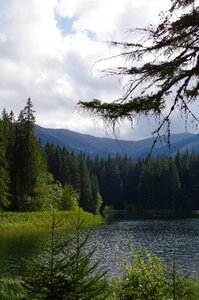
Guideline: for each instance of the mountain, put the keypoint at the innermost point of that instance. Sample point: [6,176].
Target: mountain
[103,147]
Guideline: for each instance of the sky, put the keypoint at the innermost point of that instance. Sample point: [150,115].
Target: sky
[49,51]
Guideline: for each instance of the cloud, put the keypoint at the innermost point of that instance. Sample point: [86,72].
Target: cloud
[48,51]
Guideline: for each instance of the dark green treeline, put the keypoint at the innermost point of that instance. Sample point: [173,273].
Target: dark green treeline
[163,183]
[28,182]
[33,177]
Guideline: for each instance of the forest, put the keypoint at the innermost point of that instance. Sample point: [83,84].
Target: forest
[36,177]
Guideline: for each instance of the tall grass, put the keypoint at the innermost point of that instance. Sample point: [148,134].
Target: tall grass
[33,222]
[12,289]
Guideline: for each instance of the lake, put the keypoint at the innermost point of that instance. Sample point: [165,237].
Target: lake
[171,238]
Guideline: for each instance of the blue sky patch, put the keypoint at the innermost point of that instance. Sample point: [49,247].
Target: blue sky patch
[91,34]
[65,24]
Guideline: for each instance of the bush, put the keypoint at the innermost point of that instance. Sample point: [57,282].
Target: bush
[12,289]
[144,278]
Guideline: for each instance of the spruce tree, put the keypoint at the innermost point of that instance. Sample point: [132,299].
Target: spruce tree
[29,159]
[4,164]
[96,199]
[160,70]
[74,170]
[64,268]
[85,192]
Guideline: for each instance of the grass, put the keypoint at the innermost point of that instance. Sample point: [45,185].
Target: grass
[12,289]
[33,222]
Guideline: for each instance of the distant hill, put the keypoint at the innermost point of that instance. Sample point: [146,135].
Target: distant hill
[103,147]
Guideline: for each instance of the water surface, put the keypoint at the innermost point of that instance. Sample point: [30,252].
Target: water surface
[170,239]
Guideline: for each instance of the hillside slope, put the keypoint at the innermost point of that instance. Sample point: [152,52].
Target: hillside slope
[103,147]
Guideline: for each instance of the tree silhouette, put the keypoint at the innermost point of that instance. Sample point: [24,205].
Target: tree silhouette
[161,71]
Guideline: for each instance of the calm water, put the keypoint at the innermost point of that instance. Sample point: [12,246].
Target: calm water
[164,237]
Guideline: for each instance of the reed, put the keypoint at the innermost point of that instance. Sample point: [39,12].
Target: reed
[33,222]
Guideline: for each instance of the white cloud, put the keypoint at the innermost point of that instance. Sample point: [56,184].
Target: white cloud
[54,65]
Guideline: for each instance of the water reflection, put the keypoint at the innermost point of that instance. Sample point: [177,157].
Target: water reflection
[15,251]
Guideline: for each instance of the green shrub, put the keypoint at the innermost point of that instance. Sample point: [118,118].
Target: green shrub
[181,287]
[143,279]
[12,289]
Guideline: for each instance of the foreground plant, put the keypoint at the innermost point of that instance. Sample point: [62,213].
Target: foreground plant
[147,278]
[181,287]
[64,269]
[12,289]
[144,278]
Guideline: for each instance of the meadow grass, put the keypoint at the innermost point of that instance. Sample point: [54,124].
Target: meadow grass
[33,222]
[12,289]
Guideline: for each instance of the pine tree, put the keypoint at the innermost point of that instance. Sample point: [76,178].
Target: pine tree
[75,177]
[29,159]
[114,182]
[64,269]
[174,186]
[4,164]
[85,192]
[96,199]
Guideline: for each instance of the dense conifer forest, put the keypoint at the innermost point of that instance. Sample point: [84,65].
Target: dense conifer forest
[35,177]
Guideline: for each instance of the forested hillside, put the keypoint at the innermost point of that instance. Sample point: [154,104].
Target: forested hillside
[163,183]
[33,177]
[104,147]
[25,182]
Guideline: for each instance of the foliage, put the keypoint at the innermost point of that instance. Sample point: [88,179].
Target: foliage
[85,185]
[38,180]
[96,199]
[69,198]
[74,173]
[144,278]
[161,70]
[181,286]
[64,269]
[48,194]
[178,287]
[27,160]
[4,165]
[124,183]
[12,289]
[24,157]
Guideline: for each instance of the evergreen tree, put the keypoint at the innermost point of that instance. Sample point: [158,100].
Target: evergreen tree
[75,173]
[96,199]
[146,186]
[114,183]
[29,161]
[85,191]
[65,168]
[174,185]
[161,70]
[64,269]
[4,163]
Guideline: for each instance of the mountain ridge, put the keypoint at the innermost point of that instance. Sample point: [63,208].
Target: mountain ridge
[104,146]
